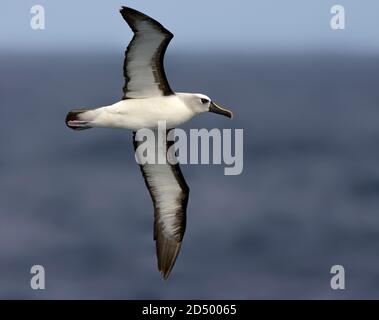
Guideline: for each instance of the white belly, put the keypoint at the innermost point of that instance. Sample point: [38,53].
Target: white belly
[136,114]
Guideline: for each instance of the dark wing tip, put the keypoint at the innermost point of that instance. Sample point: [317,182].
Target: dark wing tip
[167,252]
[131,16]
[126,10]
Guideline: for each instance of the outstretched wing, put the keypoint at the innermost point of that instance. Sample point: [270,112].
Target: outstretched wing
[169,192]
[143,65]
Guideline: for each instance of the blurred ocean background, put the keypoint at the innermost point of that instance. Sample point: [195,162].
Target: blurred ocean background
[308,198]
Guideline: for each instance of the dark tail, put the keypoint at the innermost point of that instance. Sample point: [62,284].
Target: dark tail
[75,121]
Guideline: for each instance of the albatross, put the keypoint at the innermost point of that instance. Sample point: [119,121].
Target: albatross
[147,100]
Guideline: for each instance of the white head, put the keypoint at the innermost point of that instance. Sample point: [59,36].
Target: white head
[200,103]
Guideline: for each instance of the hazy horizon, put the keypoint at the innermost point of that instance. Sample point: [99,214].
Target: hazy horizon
[198,26]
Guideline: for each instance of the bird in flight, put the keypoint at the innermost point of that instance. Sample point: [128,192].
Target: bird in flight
[147,100]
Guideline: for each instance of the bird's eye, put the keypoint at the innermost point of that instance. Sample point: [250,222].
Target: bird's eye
[204,101]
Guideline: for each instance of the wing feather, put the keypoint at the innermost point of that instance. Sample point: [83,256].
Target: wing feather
[169,192]
[143,65]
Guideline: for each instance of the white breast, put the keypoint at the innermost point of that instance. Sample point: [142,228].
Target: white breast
[136,114]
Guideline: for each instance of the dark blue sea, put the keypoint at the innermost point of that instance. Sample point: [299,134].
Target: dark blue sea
[308,197]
